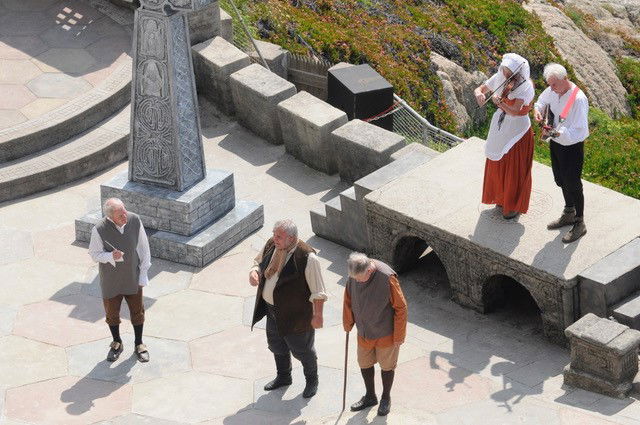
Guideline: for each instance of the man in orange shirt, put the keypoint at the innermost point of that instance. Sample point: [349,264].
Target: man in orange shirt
[374,302]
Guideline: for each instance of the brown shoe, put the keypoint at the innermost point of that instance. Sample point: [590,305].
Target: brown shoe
[510,215]
[142,353]
[577,231]
[567,218]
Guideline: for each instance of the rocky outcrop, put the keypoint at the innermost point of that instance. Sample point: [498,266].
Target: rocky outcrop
[615,21]
[458,86]
[590,62]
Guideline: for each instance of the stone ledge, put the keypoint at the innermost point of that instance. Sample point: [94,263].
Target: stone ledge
[70,119]
[81,156]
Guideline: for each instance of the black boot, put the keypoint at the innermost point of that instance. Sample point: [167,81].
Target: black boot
[310,367]
[369,398]
[283,367]
[385,400]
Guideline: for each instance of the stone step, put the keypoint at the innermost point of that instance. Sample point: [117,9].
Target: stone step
[200,249]
[390,172]
[610,280]
[71,119]
[92,151]
[628,312]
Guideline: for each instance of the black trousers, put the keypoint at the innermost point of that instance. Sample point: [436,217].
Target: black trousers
[301,345]
[566,163]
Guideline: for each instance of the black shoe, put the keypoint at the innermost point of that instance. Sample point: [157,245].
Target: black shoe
[364,403]
[115,348]
[280,381]
[310,388]
[385,407]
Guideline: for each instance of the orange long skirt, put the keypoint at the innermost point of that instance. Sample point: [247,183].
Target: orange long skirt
[507,182]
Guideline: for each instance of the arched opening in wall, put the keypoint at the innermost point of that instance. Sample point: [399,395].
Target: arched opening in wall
[510,302]
[417,263]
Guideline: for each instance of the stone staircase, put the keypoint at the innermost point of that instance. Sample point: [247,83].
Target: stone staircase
[343,218]
[86,135]
[611,287]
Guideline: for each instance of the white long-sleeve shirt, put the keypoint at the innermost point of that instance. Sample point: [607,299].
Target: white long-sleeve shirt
[312,274]
[575,129]
[99,255]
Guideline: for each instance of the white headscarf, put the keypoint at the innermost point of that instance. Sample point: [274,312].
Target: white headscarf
[515,62]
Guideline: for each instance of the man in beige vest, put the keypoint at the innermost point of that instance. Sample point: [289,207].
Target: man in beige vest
[291,294]
[374,302]
[120,245]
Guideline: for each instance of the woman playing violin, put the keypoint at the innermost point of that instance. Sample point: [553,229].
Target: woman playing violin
[509,148]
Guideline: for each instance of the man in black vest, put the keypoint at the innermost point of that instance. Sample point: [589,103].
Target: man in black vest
[119,243]
[291,294]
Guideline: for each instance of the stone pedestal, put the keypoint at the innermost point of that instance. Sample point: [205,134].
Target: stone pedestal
[274,55]
[191,227]
[604,356]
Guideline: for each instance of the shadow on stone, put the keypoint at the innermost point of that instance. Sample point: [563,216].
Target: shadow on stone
[81,396]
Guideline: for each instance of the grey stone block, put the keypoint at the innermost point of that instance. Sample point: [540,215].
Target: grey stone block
[610,280]
[362,148]
[200,249]
[226,26]
[214,61]
[181,212]
[275,56]
[389,173]
[307,123]
[256,95]
[604,356]
[204,23]
[414,147]
[628,312]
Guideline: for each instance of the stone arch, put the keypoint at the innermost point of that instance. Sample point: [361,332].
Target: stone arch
[502,291]
[411,251]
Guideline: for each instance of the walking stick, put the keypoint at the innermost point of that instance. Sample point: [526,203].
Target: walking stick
[346,356]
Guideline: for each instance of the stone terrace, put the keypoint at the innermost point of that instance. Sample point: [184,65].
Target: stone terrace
[52,51]
[457,366]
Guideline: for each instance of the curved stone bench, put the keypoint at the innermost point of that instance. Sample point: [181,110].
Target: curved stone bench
[92,151]
[71,119]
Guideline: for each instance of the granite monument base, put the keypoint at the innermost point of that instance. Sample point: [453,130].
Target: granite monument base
[192,227]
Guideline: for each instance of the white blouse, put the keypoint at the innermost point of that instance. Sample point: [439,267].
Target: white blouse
[501,140]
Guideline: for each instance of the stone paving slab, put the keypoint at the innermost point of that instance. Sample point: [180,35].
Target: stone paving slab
[88,360]
[187,397]
[526,240]
[67,400]
[23,361]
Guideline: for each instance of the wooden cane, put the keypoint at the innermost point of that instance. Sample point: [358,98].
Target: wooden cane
[346,356]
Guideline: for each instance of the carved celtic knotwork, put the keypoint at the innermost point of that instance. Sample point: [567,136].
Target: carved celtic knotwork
[155,115]
[154,160]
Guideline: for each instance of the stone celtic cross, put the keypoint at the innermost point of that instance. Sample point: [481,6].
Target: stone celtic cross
[166,146]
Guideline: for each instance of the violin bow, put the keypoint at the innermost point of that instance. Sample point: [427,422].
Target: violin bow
[506,81]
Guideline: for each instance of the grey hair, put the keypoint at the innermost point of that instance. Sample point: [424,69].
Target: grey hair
[554,70]
[357,263]
[288,226]
[111,205]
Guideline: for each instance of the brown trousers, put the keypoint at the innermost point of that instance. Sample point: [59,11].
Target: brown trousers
[136,308]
